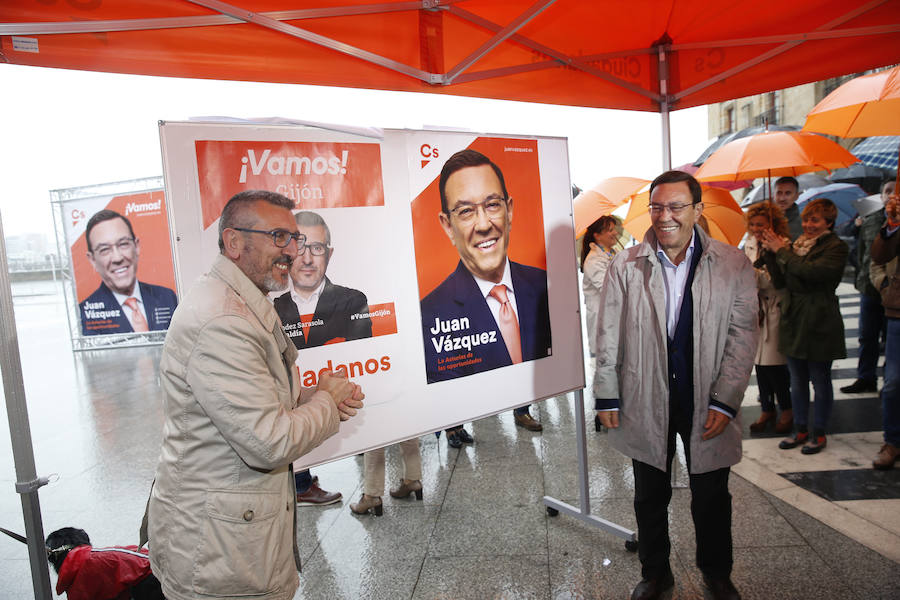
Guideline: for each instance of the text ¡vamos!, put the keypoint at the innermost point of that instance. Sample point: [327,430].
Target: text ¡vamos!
[139,207]
[291,165]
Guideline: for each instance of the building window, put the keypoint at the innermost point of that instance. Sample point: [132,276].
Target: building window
[769,115]
[729,120]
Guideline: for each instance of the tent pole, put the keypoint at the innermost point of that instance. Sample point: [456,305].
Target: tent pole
[664,105]
[666,137]
[27,482]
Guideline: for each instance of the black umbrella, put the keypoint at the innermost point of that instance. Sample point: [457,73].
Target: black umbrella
[867,177]
[730,137]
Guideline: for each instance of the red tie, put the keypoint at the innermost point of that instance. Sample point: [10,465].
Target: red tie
[138,322]
[305,320]
[509,325]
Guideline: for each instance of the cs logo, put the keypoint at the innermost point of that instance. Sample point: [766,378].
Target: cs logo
[427,153]
[77,215]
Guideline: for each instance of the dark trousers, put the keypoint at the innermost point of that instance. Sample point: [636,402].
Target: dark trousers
[303,481]
[774,381]
[890,393]
[871,324]
[710,509]
[819,373]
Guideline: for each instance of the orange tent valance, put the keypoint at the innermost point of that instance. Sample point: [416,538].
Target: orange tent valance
[642,55]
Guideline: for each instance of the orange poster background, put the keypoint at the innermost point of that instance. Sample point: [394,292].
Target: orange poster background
[222,165]
[436,257]
[155,264]
[385,324]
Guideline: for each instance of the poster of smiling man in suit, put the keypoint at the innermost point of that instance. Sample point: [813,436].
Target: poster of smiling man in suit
[490,311]
[121,303]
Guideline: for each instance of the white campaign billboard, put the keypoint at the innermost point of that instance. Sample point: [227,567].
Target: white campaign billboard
[400,320]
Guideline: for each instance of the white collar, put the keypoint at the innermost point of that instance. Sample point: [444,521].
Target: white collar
[136,293]
[486,286]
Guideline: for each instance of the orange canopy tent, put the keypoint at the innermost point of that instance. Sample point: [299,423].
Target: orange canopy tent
[650,55]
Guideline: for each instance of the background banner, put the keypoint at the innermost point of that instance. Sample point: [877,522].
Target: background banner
[130,256]
[355,305]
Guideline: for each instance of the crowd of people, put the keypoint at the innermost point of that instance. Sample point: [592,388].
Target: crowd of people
[237,418]
[800,319]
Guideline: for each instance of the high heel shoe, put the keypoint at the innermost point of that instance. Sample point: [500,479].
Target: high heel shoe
[367,503]
[407,487]
[765,417]
[785,421]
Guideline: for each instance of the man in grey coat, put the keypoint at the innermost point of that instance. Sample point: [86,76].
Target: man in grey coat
[676,340]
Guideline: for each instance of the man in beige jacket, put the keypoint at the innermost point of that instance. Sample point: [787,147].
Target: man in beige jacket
[221,514]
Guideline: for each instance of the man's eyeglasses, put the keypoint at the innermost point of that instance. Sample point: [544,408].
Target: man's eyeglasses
[675,209]
[280,237]
[123,245]
[493,206]
[316,249]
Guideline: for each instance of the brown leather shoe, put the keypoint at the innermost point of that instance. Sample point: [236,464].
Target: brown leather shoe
[785,421]
[367,503]
[653,588]
[407,487]
[765,417]
[527,421]
[316,496]
[886,458]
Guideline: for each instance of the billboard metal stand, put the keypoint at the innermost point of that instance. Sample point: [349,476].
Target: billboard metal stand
[554,506]
[66,204]
[27,481]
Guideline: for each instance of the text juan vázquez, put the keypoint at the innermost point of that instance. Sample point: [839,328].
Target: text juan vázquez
[447,342]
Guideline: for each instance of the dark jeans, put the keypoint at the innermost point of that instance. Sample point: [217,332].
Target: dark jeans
[774,381]
[522,410]
[819,373]
[871,324]
[710,509]
[303,481]
[890,393]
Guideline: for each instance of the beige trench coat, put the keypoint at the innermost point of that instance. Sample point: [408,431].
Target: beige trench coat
[632,362]
[595,265]
[221,512]
[770,303]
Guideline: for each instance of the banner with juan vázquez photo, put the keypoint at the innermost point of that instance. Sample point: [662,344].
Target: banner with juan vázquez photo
[121,262]
[482,273]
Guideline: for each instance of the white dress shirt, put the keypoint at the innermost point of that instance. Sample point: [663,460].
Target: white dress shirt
[121,298]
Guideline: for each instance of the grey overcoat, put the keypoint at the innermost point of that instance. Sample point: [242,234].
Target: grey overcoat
[632,363]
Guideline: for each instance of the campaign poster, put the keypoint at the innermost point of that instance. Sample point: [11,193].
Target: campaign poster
[481,257]
[326,302]
[121,263]
[367,202]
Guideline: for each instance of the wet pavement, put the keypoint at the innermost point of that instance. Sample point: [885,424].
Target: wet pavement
[824,526]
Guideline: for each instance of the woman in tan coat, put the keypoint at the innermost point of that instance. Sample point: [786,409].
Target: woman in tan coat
[772,375]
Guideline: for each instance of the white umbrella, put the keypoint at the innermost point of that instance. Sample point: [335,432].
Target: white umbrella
[868,205]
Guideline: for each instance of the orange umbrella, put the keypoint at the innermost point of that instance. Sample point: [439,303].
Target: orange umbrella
[774,153]
[723,215]
[602,199]
[862,107]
